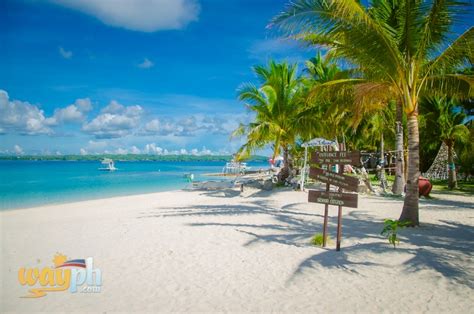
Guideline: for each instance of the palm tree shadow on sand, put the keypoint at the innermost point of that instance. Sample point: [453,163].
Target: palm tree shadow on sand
[432,246]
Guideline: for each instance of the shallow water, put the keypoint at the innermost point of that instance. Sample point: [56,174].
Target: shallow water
[34,183]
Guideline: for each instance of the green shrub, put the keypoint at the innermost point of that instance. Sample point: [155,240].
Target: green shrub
[390,230]
[317,239]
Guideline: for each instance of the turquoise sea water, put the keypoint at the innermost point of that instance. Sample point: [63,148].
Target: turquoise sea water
[33,183]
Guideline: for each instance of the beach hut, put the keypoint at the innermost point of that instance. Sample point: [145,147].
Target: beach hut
[315,142]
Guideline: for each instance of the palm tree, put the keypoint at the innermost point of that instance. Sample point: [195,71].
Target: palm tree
[466,156]
[444,117]
[401,56]
[322,70]
[275,104]
[323,113]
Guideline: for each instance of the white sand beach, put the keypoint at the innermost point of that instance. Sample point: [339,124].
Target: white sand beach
[216,251]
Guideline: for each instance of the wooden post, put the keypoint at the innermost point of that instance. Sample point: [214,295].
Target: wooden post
[339,209]
[326,213]
[325,224]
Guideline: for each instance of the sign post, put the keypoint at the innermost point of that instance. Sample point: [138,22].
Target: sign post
[326,213]
[339,216]
[343,182]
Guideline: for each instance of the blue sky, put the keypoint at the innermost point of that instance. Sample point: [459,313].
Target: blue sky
[141,76]
[152,77]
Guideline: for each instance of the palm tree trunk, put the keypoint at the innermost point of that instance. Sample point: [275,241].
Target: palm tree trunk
[399,182]
[383,182]
[452,182]
[410,205]
[285,171]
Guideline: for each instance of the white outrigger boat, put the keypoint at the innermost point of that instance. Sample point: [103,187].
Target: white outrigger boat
[235,167]
[110,165]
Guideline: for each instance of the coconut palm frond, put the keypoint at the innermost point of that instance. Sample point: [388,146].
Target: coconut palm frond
[460,52]
[435,25]
[241,129]
[249,92]
[453,85]
[369,98]
[346,27]
[461,133]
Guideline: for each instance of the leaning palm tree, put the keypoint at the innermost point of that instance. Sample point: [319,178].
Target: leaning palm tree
[402,56]
[445,118]
[275,104]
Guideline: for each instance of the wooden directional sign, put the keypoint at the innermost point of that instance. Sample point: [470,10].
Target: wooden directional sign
[340,180]
[333,198]
[333,158]
[338,198]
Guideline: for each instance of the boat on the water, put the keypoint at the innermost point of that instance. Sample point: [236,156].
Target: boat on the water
[235,167]
[109,165]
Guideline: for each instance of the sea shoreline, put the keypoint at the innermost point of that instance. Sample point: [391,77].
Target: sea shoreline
[65,203]
[25,184]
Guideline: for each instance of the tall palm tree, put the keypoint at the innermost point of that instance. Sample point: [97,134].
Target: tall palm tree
[402,56]
[446,119]
[275,104]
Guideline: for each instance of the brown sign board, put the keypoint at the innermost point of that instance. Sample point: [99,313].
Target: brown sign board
[333,198]
[334,178]
[333,158]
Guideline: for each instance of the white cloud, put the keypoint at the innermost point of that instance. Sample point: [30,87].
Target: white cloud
[146,64]
[83,151]
[65,53]
[24,118]
[161,127]
[68,114]
[202,152]
[153,126]
[135,150]
[95,145]
[73,113]
[114,121]
[153,149]
[21,117]
[18,150]
[83,104]
[205,151]
[139,15]
[110,126]
[121,151]
[190,126]
[113,107]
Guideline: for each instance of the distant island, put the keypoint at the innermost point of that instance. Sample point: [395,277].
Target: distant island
[131,157]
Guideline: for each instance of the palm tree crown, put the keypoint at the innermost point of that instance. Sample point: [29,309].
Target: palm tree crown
[275,104]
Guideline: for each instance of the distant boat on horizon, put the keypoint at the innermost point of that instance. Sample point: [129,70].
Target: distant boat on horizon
[110,166]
